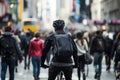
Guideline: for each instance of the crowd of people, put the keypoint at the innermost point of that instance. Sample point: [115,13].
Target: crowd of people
[16,46]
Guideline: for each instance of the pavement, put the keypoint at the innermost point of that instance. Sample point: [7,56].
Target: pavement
[27,74]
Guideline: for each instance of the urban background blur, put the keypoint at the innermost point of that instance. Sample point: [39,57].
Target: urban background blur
[79,15]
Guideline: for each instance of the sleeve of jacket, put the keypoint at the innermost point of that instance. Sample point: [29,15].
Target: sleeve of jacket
[0,45]
[105,50]
[18,50]
[42,46]
[86,44]
[47,46]
[91,45]
[29,49]
[74,52]
[113,49]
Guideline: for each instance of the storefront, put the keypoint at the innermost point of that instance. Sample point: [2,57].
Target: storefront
[114,25]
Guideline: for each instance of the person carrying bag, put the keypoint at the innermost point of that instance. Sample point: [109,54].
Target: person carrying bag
[82,48]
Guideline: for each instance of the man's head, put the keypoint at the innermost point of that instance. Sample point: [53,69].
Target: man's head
[28,33]
[37,34]
[58,24]
[99,32]
[8,29]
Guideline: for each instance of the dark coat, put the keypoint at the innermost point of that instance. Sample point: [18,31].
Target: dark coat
[49,42]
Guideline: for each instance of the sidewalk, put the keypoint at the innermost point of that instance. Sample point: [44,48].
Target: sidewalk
[28,75]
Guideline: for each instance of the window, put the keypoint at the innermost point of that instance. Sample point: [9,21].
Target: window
[29,23]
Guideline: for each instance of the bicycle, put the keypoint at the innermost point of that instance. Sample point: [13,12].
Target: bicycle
[60,76]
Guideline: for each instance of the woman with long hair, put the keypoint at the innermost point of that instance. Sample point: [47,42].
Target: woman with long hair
[82,47]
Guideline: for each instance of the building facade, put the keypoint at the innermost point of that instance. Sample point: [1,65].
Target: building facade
[49,10]
[96,9]
[32,8]
[108,10]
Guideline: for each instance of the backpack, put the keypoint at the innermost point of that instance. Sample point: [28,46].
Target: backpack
[27,41]
[62,46]
[7,46]
[100,45]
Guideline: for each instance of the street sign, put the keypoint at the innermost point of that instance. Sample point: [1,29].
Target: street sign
[3,9]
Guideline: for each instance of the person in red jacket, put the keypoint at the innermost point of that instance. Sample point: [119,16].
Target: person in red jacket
[35,53]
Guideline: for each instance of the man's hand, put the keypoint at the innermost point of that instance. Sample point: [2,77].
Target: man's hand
[20,61]
[44,66]
[75,66]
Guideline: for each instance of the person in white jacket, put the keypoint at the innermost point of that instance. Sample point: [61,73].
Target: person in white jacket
[82,47]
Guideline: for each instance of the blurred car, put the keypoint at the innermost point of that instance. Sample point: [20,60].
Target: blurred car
[30,24]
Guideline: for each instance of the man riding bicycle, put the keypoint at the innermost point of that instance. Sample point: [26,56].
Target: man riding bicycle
[61,60]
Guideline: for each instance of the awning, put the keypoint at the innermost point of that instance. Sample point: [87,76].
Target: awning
[99,22]
[114,22]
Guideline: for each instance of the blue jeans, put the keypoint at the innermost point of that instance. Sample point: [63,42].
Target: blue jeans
[36,62]
[98,62]
[11,64]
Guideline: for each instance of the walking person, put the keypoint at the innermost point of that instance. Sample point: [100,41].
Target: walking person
[19,41]
[63,47]
[35,52]
[10,51]
[97,49]
[116,48]
[109,45]
[26,43]
[82,47]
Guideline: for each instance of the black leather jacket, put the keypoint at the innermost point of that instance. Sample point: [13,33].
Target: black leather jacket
[94,47]
[18,53]
[114,49]
[49,43]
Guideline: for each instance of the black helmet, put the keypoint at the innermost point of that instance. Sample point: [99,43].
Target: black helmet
[58,24]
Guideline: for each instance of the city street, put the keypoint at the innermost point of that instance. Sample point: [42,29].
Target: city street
[27,74]
[92,18]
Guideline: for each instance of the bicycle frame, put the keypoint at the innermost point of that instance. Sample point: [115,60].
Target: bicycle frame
[60,76]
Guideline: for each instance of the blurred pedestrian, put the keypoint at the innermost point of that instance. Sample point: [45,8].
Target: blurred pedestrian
[82,47]
[109,45]
[25,45]
[10,51]
[116,51]
[97,49]
[35,52]
[61,60]
[19,41]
